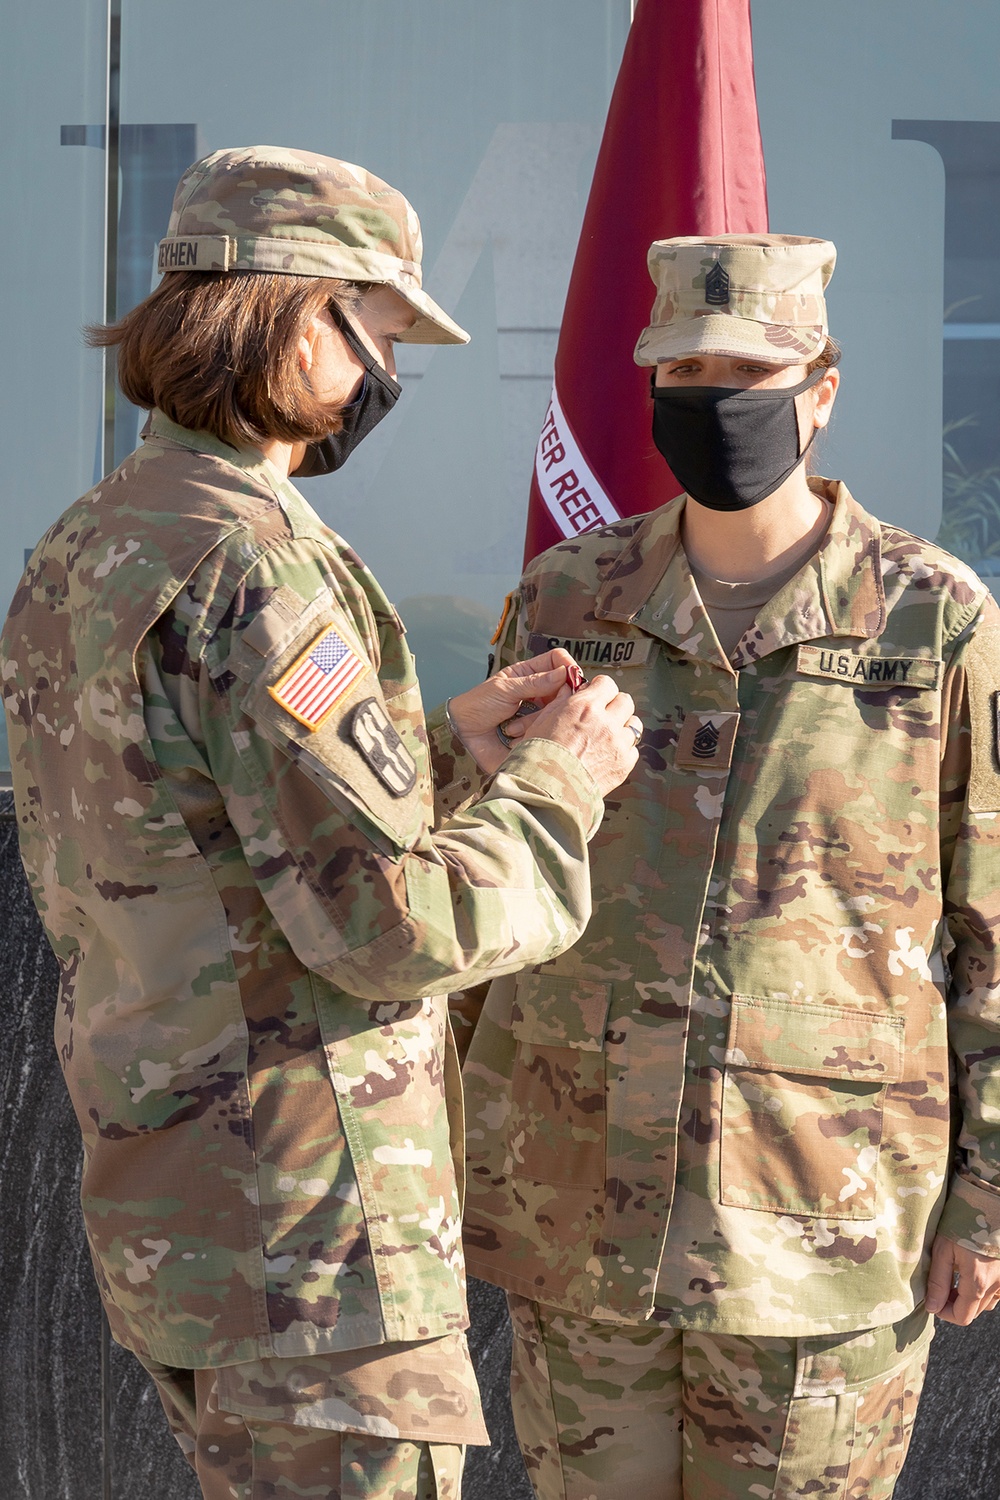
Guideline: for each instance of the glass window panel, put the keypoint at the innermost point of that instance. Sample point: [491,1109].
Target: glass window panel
[51,269]
[488,117]
[879,126]
[880,130]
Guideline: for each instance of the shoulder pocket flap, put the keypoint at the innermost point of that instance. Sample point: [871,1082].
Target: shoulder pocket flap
[555,1011]
[356,755]
[865,669]
[826,1041]
[283,619]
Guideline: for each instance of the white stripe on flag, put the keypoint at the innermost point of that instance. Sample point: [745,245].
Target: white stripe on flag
[572,492]
[318,680]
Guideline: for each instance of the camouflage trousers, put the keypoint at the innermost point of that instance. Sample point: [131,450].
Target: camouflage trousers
[604,1410]
[389,1423]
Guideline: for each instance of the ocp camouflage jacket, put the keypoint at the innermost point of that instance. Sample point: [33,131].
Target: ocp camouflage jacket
[731,1099]
[225,806]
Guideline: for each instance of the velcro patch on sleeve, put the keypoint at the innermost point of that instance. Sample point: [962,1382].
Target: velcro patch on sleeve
[276,624]
[316,681]
[983,677]
[867,670]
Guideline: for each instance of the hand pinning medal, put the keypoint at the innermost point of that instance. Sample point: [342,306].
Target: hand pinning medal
[575,680]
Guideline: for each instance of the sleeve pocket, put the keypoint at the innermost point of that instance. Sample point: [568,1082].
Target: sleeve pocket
[558,1126]
[342,756]
[555,1011]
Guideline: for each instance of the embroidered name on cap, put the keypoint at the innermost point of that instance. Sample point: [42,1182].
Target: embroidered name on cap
[595,650]
[178,254]
[317,680]
[857,669]
[196,252]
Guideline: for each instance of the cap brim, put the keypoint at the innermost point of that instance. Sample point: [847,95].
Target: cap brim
[737,338]
[432,324]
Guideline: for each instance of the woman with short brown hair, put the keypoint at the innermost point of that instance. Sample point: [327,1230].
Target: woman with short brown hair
[261,870]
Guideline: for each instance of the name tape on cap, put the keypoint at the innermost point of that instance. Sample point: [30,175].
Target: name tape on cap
[195,252]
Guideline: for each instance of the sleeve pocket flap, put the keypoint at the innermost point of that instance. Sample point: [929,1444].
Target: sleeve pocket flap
[358,775]
[555,1011]
[826,1041]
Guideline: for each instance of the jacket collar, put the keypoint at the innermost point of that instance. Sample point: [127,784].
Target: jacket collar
[837,592]
[160,428]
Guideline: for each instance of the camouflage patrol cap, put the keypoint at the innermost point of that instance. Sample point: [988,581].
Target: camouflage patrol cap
[759,295]
[264,208]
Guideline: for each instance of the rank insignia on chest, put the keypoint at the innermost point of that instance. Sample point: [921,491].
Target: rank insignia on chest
[315,683]
[705,741]
[374,735]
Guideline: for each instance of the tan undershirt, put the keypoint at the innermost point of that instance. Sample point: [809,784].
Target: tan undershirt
[732,607]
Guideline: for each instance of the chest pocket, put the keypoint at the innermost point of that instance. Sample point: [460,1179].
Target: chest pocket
[313,693]
[558,1125]
[803,1101]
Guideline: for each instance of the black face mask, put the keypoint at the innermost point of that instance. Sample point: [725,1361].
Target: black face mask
[730,449]
[378,395]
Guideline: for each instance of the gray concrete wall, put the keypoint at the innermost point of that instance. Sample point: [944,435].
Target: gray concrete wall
[74,1426]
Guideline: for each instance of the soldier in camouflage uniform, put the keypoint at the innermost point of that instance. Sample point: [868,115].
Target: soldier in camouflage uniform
[260,870]
[730,1152]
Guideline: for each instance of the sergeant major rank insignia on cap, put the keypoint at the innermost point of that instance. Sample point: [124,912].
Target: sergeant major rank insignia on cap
[318,679]
[717,286]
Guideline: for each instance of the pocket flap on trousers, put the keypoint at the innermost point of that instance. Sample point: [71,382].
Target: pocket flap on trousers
[555,1011]
[827,1041]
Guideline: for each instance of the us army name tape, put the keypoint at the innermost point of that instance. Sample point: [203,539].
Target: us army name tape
[865,670]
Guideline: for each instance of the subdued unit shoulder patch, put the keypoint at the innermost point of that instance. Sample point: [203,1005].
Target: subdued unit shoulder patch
[314,684]
[984,711]
[374,735]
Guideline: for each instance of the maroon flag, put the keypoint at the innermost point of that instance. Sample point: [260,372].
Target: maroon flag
[681,154]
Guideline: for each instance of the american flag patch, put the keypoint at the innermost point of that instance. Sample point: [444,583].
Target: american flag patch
[315,683]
